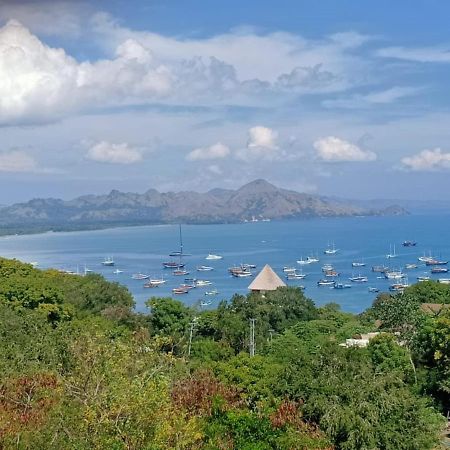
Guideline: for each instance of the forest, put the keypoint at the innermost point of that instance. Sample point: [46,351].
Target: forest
[80,369]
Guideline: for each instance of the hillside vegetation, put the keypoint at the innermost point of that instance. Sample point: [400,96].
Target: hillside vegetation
[81,370]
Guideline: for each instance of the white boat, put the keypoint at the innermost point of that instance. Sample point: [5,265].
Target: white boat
[203,304]
[358,264]
[312,259]
[327,267]
[331,250]
[391,253]
[108,261]
[295,276]
[359,279]
[302,261]
[140,276]
[157,281]
[87,270]
[325,283]
[213,292]
[374,289]
[411,266]
[423,278]
[341,286]
[117,271]
[426,258]
[287,269]
[212,256]
[394,275]
[241,274]
[204,268]
[201,283]
[444,280]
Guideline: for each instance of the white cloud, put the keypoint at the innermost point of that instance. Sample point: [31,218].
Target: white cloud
[333,149]
[262,137]
[215,151]
[114,153]
[419,54]
[17,161]
[261,145]
[427,160]
[39,83]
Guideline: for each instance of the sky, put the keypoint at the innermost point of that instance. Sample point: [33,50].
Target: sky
[343,98]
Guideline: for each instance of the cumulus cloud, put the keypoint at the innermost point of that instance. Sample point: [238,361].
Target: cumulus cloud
[39,83]
[333,149]
[114,153]
[427,160]
[261,145]
[17,161]
[215,151]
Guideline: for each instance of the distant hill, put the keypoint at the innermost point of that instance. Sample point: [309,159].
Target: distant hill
[258,199]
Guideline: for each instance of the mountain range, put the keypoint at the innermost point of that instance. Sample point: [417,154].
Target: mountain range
[257,199]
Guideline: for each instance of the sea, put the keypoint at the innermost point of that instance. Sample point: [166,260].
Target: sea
[143,249]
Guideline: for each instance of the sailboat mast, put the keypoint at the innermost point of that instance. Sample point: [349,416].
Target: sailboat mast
[181,241]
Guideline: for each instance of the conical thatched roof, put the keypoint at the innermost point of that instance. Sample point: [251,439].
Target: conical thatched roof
[266,280]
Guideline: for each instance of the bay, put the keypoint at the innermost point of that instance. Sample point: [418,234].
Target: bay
[278,243]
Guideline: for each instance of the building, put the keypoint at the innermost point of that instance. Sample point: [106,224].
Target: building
[266,280]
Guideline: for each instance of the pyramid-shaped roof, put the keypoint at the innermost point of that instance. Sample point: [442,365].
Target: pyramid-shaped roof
[266,280]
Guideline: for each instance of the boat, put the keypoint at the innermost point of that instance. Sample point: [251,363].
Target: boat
[180,272]
[444,280]
[115,271]
[157,281]
[380,269]
[423,278]
[373,289]
[180,290]
[358,264]
[140,276]
[409,243]
[324,282]
[248,266]
[213,292]
[108,261]
[287,269]
[411,266]
[86,270]
[331,273]
[302,261]
[213,257]
[359,279]
[203,303]
[331,250]
[149,284]
[239,272]
[391,253]
[180,252]
[424,258]
[312,259]
[201,283]
[394,275]
[341,286]
[204,268]
[295,276]
[438,269]
[173,265]
[327,267]
[435,262]
[187,286]
[398,287]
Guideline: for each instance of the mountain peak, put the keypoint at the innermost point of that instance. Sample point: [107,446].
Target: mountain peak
[257,186]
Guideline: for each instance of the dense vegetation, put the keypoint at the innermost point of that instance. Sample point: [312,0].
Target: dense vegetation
[80,370]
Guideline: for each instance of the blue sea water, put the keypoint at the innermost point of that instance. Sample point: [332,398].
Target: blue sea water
[278,243]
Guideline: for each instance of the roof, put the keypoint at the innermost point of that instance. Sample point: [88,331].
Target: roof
[266,280]
[434,308]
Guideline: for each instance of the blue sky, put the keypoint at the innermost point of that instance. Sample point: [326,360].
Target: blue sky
[338,98]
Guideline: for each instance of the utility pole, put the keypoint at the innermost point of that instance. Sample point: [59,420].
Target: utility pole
[252,346]
[191,332]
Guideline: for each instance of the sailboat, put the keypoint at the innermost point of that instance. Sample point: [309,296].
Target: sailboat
[108,261]
[391,253]
[331,250]
[179,252]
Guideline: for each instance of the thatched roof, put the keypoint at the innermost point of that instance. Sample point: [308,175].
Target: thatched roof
[266,280]
[433,308]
